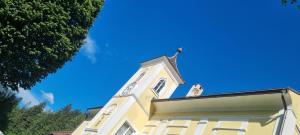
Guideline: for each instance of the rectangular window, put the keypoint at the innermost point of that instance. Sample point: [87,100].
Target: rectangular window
[125,129]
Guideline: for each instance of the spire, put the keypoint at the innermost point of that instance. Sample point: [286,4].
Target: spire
[173,59]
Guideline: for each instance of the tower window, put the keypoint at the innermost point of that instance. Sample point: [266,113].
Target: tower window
[160,85]
[125,129]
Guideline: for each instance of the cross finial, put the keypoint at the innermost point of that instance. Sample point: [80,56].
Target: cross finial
[179,50]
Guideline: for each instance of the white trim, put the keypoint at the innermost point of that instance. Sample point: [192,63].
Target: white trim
[243,128]
[166,127]
[218,125]
[183,127]
[113,119]
[289,123]
[277,123]
[161,127]
[201,126]
[152,128]
[187,124]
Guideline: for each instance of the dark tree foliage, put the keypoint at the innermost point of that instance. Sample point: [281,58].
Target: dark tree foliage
[38,36]
[37,121]
[8,101]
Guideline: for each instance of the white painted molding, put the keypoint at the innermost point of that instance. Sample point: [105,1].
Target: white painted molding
[161,127]
[201,126]
[243,128]
[114,118]
[152,128]
[186,126]
[277,127]
[289,123]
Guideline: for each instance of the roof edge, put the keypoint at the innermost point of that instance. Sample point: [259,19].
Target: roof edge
[243,93]
[165,58]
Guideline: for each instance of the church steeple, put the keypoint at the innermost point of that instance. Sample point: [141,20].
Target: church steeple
[173,60]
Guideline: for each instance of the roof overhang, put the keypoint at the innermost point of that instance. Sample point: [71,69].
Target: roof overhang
[164,59]
[248,101]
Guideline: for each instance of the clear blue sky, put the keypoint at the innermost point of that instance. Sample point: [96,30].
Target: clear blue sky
[228,46]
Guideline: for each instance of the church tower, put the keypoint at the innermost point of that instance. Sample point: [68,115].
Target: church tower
[129,109]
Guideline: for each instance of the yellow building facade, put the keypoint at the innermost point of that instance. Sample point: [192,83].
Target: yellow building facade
[143,107]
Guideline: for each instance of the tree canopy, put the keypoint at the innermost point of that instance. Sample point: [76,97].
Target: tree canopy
[17,120]
[38,36]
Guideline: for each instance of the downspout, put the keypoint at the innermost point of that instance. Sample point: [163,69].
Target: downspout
[282,119]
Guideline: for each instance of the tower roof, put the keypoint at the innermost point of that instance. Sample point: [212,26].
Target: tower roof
[171,63]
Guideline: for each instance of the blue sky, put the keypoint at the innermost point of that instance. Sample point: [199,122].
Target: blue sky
[228,46]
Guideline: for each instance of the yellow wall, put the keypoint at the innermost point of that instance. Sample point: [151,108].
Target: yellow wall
[258,122]
[260,127]
[296,105]
[255,127]
[136,116]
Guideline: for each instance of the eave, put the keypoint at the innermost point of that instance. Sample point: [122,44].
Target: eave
[265,100]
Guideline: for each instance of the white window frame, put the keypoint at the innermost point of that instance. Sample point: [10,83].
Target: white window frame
[130,127]
[153,88]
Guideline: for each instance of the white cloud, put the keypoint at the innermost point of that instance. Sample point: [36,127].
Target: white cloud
[48,96]
[89,49]
[28,99]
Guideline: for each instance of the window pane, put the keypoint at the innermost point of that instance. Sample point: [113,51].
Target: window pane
[159,85]
[123,129]
[130,132]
